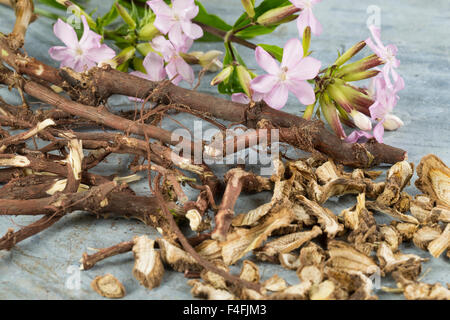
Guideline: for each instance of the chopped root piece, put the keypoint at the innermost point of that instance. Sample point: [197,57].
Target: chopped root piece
[108,286]
[323,291]
[148,268]
[344,256]
[310,273]
[206,291]
[442,213]
[425,235]
[295,292]
[249,271]
[389,261]
[209,249]
[176,257]
[327,172]
[214,279]
[425,291]
[406,230]
[275,284]
[391,237]
[394,213]
[434,179]
[397,178]
[441,243]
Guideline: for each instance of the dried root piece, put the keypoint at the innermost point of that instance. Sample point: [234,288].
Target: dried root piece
[295,292]
[243,240]
[327,219]
[394,213]
[434,179]
[108,286]
[425,235]
[275,284]
[441,213]
[326,290]
[209,249]
[425,291]
[421,208]
[290,261]
[397,178]
[406,230]
[312,254]
[176,257]
[339,187]
[327,172]
[404,203]
[206,291]
[390,236]
[352,216]
[357,285]
[344,256]
[214,279]
[441,243]
[310,273]
[390,261]
[249,271]
[286,244]
[148,268]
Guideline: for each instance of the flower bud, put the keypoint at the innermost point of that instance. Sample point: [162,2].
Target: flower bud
[125,55]
[222,76]
[144,48]
[249,7]
[360,75]
[126,16]
[331,114]
[361,121]
[276,15]
[392,122]
[360,66]
[306,41]
[210,60]
[244,79]
[350,53]
[147,32]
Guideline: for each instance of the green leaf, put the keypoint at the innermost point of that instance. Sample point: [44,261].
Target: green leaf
[211,20]
[108,18]
[254,31]
[53,4]
[276,51]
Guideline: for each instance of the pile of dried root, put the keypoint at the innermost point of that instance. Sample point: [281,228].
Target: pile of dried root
[334,256]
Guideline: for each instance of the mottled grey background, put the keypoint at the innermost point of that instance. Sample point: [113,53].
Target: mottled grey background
[40,267]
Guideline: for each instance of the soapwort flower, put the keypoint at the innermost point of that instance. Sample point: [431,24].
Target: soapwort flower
[79,55]
[176,20]
[306,17]
[291,75]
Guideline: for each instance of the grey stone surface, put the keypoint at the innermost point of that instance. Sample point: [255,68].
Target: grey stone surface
[44,266]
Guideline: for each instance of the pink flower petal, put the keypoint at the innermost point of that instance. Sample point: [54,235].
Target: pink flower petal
[172,73]
[378,131]
[266,61]
[308,68]
[192,30]
[356,135]
[303,21]
[264,83]
[65,33]
[164,46]
[59,53]
[303,91]
[179,6]
[240,98]
[154,65]
[89,39]
[163,23]
[103,53]
[316,27]
[292,53]
[160,8]
[277,98]
[184,70]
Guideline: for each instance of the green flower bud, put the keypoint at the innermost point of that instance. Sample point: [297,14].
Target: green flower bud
[360,65]
[350,53]
[222,76]
[144,48]
[125,55]
[306,40]
[249,7]
[360,75]
[126,16]
[244,79]
[331,114]
[210,60]
[276,15]
[147,32]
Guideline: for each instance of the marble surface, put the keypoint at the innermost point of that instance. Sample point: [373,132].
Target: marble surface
[46,265]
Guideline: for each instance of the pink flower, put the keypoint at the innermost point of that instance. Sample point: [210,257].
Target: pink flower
[291,75]
[387,53]
[306,17]
[177,69]
[176,20]
[154,66]
[79,55]
[244,99]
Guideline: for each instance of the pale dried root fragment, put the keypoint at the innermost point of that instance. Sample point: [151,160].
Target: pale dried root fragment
[355,283]
[195,219]
[394,213]
[397,178]
[108,286]
[249,271]
[425,291]
[327,172]
[310,273]
[441,213]
[346,257]
[290,261]
[176,257]
[351,216]
[327,219]
[206,291]
[148,268]
[275,284]
[390,261]
[421,208]
[325,290]
[287,243]
[391,237]
[434,179]
[404,203]
[339,187]
[406,230]
[296,292]
[312,254]
[213,278]
[441,243]
[425,235]
[209,249]
[243,240]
